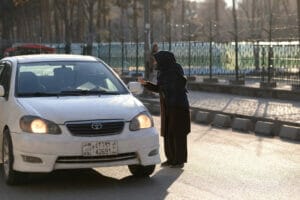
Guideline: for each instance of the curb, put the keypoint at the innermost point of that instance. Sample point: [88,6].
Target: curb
[222,121]
[202,117]
[241,124]
[290,132]
[264,128]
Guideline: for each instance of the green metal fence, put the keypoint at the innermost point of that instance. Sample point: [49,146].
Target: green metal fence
[253,58]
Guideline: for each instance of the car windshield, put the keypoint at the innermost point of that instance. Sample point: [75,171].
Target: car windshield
[66,78]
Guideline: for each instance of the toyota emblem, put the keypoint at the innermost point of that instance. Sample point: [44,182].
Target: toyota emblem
[96,125]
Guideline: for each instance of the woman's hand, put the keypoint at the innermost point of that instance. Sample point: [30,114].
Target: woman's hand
[142,81]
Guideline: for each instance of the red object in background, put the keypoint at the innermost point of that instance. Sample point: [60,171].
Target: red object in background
[28,49]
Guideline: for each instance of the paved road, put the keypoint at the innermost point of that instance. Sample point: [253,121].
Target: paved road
[222,165]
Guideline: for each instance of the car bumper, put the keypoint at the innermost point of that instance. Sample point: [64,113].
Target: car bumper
[45,153]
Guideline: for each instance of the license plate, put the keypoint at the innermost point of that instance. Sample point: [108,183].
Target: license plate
[101,148]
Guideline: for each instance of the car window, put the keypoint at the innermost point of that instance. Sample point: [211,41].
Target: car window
[5,75]
[66,78]
[110,85]
[1,68]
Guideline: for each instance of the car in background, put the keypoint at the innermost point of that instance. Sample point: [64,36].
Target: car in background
[26,49]
[70,112]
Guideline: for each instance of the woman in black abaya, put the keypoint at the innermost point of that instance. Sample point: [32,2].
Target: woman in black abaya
[175,114]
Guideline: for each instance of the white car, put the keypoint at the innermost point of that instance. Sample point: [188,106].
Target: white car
[70,112]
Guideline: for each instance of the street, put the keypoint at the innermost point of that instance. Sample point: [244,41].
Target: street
[222,165]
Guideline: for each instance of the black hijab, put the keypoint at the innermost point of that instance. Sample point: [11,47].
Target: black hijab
[165,60]
[167,66]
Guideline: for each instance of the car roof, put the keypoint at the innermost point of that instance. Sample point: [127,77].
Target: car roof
[49,57]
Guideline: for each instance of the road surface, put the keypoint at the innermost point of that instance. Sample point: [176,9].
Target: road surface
[222,165]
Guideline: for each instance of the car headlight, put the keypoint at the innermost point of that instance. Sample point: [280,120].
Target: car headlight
[141,121]
[33,124]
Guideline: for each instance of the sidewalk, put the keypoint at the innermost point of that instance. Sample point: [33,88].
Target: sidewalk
[273,109]
[270,116]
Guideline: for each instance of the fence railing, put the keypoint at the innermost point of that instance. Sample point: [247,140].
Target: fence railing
[276,61]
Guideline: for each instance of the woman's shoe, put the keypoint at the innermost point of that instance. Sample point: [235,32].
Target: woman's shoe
[165,164]
[177,166]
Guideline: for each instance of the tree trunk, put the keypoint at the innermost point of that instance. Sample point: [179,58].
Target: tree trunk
[91,27]
[298,13]
[56,26]
[136,35]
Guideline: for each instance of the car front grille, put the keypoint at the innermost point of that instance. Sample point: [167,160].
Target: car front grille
[95,128]
[96,159]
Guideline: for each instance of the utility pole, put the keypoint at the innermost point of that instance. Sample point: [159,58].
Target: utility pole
[210,46]
[235,41]
[182,19]
[190,38]
[217,18]
[147,37]
[270,51]
[298,14]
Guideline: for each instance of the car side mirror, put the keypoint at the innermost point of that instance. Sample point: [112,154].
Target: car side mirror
[135,87]
[2,91]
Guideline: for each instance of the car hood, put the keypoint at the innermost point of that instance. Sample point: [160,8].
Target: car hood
[74,108]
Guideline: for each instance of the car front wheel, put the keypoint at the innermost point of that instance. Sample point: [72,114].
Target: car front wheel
[11,176]
[141,171]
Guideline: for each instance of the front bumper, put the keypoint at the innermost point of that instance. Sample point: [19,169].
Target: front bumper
[65,151]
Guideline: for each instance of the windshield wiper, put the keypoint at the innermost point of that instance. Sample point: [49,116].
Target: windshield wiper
[37,94]
[86,92]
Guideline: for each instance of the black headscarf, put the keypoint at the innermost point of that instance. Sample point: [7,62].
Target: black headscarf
[165,60]
[167,66]
[171,80]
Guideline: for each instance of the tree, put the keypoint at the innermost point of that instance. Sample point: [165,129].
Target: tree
[66,11]
[87,20]
[164,24]
[298,15]
[6,7]
[90,4]
[102,20]
[217,19]
[123,5]
[136,16]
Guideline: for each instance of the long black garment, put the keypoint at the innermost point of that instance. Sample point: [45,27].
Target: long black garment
[175,115]
[175,140]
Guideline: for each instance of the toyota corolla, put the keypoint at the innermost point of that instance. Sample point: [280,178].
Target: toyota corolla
[70,112]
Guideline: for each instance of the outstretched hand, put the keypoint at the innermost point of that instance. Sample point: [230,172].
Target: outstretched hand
[142,81]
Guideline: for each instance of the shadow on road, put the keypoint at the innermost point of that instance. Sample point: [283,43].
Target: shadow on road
[203,134]
[90,184]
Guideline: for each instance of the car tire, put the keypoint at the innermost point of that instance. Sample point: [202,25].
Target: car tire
[141,171]
[11,176]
